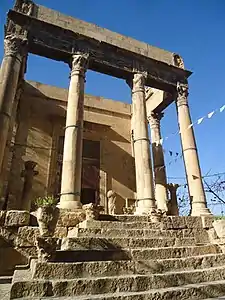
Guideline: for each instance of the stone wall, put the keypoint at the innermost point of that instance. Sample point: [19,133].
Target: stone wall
[106,121]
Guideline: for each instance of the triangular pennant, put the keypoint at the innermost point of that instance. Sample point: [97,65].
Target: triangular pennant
[190,126]
[171,153]
[177,153]
[200,120]
[211,114]
[161,141]
[222,108]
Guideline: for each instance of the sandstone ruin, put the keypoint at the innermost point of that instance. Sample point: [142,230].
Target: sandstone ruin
[117,235]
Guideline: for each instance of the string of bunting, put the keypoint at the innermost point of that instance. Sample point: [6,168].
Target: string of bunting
[198,122]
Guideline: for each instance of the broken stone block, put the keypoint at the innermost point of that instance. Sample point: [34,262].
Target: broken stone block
[17,218]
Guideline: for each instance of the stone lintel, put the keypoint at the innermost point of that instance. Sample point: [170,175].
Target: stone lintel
[58,41]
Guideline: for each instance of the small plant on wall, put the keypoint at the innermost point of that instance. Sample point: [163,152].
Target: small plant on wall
[47,215]
[47,201]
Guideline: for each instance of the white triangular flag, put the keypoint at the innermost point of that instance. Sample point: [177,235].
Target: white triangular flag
[190,126]
[200,120]
[161,141]
[222,108]
[211,114]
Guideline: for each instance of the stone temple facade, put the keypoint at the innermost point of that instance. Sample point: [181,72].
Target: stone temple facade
[116,232]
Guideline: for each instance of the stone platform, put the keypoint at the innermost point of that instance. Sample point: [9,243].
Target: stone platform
[127,257]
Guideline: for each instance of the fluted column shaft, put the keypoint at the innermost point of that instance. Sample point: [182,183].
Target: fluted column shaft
[143,167]
[73,143]
[158,161]
[15,49]
[191,161]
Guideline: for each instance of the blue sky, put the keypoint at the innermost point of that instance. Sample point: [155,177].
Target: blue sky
[194,29]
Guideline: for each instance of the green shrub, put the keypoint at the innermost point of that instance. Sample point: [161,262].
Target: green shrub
[46,201]
[219,217]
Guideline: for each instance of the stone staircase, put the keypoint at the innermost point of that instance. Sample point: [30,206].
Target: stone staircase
[129,258]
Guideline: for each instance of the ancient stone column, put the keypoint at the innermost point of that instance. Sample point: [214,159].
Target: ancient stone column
[173,205]
[15,49]
[158,161]
[143,167]
[28,173]
[73,143]
[191,161]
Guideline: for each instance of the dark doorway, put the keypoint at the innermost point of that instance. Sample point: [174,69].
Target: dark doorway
[90,172]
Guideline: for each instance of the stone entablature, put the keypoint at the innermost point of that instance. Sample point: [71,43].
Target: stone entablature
[109,53]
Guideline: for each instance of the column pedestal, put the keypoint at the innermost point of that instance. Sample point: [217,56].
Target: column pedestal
[143,167]
[190,155]
[158,162]
[73,143]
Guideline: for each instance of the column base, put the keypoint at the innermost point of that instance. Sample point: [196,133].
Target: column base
[144,208]
[201,212]
[69,204]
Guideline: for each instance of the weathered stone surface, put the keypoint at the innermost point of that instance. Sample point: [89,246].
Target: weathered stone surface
[70,218]
[119,225]
[112,243]
[27,251]
[30,289]
[2,217]
[207,221]
[193,222]
[132,283]
[17,218]
[170,252]
[27,236]
[60,232]
[82,269]
[9,234]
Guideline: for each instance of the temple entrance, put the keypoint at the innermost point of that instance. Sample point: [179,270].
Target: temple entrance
[90,170]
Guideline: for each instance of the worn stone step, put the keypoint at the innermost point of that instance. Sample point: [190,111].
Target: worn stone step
[117,268]
[134,254]
[122,284]
[85,243]
[199,235]
[144,222]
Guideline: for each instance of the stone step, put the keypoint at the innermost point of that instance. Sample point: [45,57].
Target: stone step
[134,254]
[123,284]
[199,235]
[118,268]
[86,243]
[145,223]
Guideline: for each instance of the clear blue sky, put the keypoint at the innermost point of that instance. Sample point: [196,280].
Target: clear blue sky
[194,29]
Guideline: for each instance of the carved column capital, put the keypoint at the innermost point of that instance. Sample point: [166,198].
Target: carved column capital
[15,46]
[154,119]
[79,64]
[24,6]
[138,82]
[182,93]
